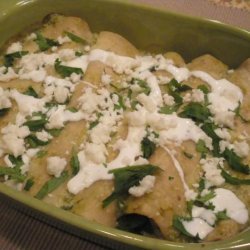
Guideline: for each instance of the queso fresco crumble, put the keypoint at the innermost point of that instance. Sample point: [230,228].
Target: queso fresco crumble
[138,141]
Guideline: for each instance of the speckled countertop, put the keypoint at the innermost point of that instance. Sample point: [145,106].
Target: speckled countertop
[238,4]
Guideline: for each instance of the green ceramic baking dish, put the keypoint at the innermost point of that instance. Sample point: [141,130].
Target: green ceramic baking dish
[149,29]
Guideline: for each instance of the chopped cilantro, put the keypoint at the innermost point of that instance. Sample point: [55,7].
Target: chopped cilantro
[147,147]
[34,142]
[51,185]
[54,131]
[41,154]
[169,109]
[78,53]
[13,173]
[74,163]
[66,71]
[31,92]
[36,124]
[29,183]
[234,161]
[221,215]
[143,84]
[233,180]
[16,161]
[196,111]
[9,58]
[126,178]
[237,114]
[174,88]
[178,224]
[75,38]
[44,43]
[201,148]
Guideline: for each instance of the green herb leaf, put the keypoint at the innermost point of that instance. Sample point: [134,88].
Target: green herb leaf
[147,147]
[13,173]
[36,124]
[201,148]
[34,142]
[75,38]
[143,84]
[206,197]
[169,109]
[174,88]
[4,111]
[10,58]
[196,111]
[120,104]
[44,43]
[16,161]
[29,183]
[203,88]
[233,180]
[31,92]
[78,53]
[237,113]
[178,224]
[209,128]
[93,124]
[55,132]
[201,185]
[74,163]
[221,215]
[234,161]
[51,185]
[126,178]
[66,71]
[41,154]
[72,109]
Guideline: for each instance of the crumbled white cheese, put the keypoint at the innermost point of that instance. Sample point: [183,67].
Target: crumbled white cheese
[196,95]
[212,172]
[106,79]
[66,54]
[146,186]
[147,101]
[223,133]
[35,75]
[7,74]
[136,118]
[26,157]
[4,99]
[27,104]
[61,94]
[12,141]
[168,99]
[224,98]
[43,136]
[96,152]
[241,148]
[14,47]
[56,165]
[58,116]
[7,161]
[63,39]
[31,37]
